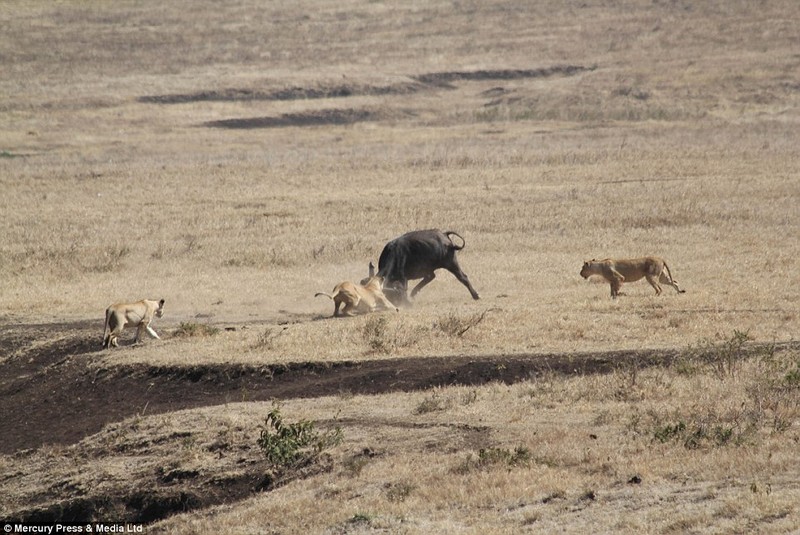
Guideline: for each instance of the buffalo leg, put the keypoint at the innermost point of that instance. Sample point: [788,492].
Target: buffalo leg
[403,291]
[462,277]
[424,282]
[397,293]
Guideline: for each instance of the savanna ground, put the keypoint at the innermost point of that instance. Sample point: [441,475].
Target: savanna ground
[236,158]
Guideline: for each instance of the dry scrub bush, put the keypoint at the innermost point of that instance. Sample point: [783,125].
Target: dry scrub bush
[268,338]
[766,397]
[455,324]
[385,333]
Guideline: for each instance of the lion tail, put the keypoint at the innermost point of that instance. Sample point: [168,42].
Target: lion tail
[329,296]
[669,272]
[672,279]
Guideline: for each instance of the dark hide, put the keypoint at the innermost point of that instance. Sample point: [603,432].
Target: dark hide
[416,255]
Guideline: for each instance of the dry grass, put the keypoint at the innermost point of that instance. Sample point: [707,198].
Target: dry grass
[139,157]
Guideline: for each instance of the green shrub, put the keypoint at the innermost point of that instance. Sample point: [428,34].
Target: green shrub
[706,430]
[521,456]
[665,433]
[291,445]
[792,377]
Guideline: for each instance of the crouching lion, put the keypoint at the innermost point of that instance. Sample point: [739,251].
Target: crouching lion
[652,268]
[359,298]
[138,314]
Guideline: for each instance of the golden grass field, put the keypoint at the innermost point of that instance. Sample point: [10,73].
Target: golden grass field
[236,158]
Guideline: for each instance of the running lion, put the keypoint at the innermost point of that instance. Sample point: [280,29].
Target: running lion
[652,268]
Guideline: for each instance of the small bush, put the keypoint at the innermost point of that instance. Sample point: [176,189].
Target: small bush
[192,330]
[706,430]
[399,492]
[452,325]
[292,445]
[724,358]
[455,325]
[521,456]
[360,518]
[667,432]
[111,259]
[792,377]
[489,457]
[469,397]
[376,334]
[774,392]
[267,339]
[355,464]
[432,403]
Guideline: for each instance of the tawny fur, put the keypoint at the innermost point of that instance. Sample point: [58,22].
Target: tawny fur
[359,298]
[617,271]
[138,314]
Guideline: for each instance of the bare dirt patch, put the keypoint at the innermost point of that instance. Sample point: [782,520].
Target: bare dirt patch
[310,118]
[443,79]
[288,93]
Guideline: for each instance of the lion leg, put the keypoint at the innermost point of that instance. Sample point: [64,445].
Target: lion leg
[139,333]
[106,330]
[385,303]
[615,286]
[110,340]
[109,331]
[113,336]
[152,332]
[349,308]
[654,283]
[427,279]
[616,283]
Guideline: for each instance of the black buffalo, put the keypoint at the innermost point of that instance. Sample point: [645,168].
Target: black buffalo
[416,255]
